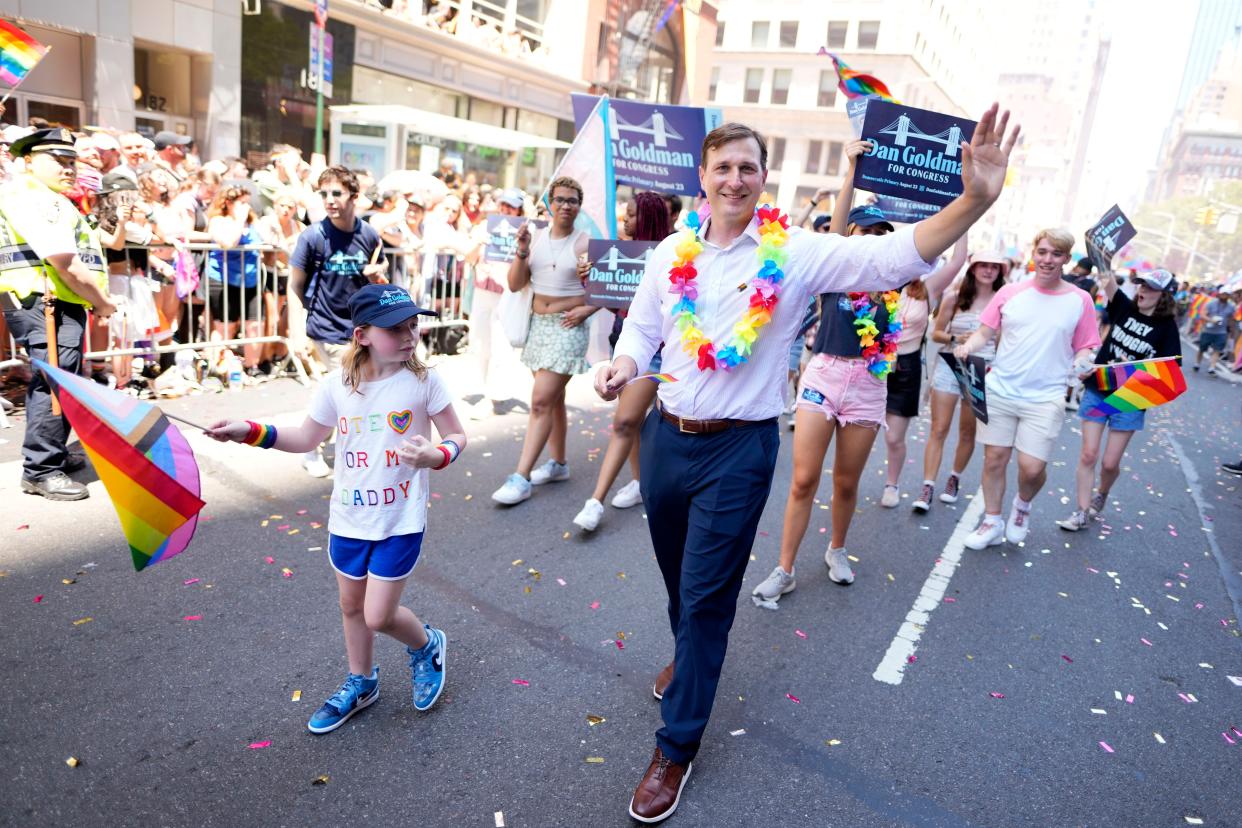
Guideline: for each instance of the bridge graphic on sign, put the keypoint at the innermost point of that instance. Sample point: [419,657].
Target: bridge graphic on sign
[903,129]
[504,228]
[615,257]
[656,126]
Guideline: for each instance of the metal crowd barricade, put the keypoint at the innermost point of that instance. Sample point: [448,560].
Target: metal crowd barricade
[198,334]
[446,290]
[11,361]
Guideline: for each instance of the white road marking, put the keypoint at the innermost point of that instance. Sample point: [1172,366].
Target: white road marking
[893,666]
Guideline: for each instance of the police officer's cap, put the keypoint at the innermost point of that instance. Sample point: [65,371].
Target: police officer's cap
[58,141]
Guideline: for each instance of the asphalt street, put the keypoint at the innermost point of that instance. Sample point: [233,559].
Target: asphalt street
[1075,680]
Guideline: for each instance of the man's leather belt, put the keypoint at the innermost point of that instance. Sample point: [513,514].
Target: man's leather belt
[688,426]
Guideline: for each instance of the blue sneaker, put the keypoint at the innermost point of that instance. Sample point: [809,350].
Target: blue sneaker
[427,666]
[357,693]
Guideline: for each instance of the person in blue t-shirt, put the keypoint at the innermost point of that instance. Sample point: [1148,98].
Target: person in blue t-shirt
[334,258]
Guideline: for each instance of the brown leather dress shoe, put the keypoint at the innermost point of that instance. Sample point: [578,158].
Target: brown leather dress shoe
[662,681]
[658,793]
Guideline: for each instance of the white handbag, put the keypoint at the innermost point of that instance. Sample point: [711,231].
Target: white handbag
[514,311]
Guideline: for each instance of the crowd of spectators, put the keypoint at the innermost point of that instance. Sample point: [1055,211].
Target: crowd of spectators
[476,28]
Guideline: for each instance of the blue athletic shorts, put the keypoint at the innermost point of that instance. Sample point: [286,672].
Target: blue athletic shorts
[1121,421]
[390,559]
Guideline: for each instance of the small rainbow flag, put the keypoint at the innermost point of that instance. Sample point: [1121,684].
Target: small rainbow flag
[1195,312]
[855,84]
[19,52]
[144,462]
[1137,386]
[658,379]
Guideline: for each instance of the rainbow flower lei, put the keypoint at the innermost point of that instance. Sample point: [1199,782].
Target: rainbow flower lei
[773,233]
[879,352]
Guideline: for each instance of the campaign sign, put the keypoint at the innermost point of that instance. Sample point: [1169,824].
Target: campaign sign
[915,154]
[856,110]
[616,269]
[654,146]
[970,380]
[1107,236]
[904,211]
[502,236]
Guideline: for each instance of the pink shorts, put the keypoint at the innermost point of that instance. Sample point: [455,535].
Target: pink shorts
[844,390]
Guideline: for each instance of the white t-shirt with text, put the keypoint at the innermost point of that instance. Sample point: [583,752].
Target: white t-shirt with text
[1040,331]
[374,495]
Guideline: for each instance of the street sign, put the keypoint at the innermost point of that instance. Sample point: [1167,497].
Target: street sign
[312,76]
[321,13]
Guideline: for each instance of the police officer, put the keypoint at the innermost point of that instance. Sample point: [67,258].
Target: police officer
[48,255]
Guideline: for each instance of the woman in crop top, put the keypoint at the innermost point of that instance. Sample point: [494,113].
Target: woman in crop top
[842,394]
[956,319]
[556,345]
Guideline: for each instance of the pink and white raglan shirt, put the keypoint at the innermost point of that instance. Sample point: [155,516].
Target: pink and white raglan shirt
[1040,331]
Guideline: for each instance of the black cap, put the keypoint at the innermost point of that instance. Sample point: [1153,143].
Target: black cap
[114,182]
[1086,264]
[165,139]
[383,305]
[57,140]
[821,221]
[868,215]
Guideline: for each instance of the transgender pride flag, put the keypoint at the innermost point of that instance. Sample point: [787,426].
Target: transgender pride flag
[19,52]
[589,162]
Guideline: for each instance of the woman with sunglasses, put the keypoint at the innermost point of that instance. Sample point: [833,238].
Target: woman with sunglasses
[556,345]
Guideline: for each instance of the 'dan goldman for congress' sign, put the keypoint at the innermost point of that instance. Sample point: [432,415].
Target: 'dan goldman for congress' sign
[654,146]
[616,269]
[916,154]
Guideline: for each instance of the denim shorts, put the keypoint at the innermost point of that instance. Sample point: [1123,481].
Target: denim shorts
[390,559]
[1121,421]
[843,390]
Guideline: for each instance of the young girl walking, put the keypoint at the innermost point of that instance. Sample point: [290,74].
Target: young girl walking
[382,403]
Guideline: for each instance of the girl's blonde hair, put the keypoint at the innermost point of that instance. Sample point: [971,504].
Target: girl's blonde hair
[354,362]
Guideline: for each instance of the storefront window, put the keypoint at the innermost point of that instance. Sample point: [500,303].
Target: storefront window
[372,86]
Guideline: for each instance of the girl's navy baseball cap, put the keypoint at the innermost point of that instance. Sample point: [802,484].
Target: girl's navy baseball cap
[383,305]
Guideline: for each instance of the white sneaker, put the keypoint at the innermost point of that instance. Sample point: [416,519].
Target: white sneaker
[549,472]
[1018,525]
[839,571]
[1075,522]
[1099,501]
[629,495]
[775,585]
[891,496]
[316,467]
[588,519]
[991,532]
[949,495]
[515,490]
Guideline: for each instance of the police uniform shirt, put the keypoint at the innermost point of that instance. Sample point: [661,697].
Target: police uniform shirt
[48,221]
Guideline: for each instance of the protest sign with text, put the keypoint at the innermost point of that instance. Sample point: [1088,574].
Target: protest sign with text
[970,381]
[1107,236]
[916,154]
[502,236]
[616,269]
[654,146]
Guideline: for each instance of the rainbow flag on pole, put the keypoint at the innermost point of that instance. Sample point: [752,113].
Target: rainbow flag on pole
[144,462]
[1137,386]
[855,84]
[19,52]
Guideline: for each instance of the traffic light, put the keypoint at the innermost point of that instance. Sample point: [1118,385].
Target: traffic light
[1201,215]
[1213,215]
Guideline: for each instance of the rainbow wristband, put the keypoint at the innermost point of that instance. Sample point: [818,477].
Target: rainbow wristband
[452,447]
[447,459]
[261,435]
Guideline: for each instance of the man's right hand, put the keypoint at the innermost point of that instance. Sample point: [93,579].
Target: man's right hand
[611,378]
[105,310]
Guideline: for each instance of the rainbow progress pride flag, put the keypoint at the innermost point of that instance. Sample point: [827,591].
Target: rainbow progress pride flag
[1137,386]
[855,84]
[19,52]
[144,462]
